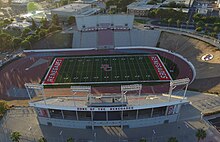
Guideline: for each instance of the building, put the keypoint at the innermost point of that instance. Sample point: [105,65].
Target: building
[140,8]
[92,111]
[74,9]
[204,8]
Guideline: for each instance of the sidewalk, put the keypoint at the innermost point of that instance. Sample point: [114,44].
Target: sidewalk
[24,121]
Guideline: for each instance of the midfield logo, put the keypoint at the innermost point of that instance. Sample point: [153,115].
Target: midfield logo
[106,67]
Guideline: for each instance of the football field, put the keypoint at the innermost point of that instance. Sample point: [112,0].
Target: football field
[107,69]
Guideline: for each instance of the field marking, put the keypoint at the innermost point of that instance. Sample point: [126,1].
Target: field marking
[81,68]
[120,68]
[163,74]
[49,70]
[72,73]
[139,69]
[112,82]
[131,72]
[165,67]
[150,70]
[117,56]
[54,71]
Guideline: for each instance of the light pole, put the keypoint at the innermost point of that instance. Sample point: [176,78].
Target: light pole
[30,129]
[95,136]
[154,132]
[61,136]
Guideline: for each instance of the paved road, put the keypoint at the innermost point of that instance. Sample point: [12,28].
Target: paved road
[24,120]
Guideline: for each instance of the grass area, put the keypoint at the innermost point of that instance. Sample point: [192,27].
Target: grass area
[109,69]
[106,69]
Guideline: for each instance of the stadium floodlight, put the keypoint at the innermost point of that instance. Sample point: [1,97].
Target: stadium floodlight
[35,87]
[174,83]
[134,87]
[81,89]
[86,89]
[179,82]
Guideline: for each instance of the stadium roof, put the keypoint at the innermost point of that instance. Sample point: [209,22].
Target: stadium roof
[146,101]
[72,7]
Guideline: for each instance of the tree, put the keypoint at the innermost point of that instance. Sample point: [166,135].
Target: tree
[172,4]
[199,29]
[216,29]
[53,28]
[63,2]
[42,33]
[15,136]
[33,6]
[42,139]
[44,23]
[70,140]
[200,23]
[55,20]
[3,108]
[206,27]
[143,140]
[200,134]
[25,32]
[172,139]
[170,21]
[178,23]
[16,42]
[5,40]
[187,24]
[26,44]
[71,20]
[33,25]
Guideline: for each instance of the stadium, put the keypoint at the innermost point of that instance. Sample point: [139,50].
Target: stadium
[112,78]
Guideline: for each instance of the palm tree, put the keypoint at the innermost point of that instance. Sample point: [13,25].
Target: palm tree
[200,134]
[42,139]
[143,140]
[206,27]
[178,23]
[170,20]
[172,139]
[15,136]
[70,140]
[187,24]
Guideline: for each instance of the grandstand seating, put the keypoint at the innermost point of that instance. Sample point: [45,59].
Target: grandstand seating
[105,38]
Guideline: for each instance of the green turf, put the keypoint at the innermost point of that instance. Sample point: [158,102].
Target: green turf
[124,68]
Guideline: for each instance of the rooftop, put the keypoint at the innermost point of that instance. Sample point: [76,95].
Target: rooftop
[71,7]
[132,102]
[142,5]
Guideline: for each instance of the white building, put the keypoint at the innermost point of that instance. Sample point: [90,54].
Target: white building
[140,8]
[75,9]
[204,8]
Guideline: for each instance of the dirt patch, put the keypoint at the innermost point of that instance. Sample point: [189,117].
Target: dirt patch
[207,72]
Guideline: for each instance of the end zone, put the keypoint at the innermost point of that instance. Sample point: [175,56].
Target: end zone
[159,67]
[53,71]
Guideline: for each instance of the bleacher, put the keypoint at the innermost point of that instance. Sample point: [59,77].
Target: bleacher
[144,38]
[109,31]
[122,38]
